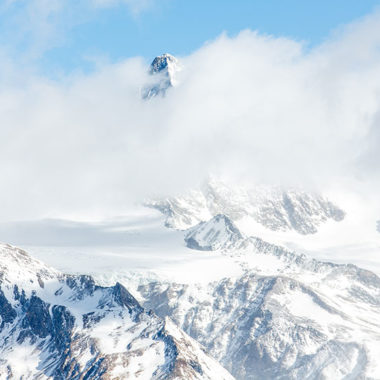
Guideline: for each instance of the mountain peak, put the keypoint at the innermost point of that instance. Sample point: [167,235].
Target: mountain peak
[17,267]
[163,62]
[218,233]
[165,67]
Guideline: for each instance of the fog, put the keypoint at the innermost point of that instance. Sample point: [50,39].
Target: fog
[249,108]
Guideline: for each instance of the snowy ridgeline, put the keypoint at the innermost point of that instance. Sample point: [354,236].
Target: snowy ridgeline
[286,317]
[66,327]
[274,208]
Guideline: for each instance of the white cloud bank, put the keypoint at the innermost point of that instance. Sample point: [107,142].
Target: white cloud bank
[251,107]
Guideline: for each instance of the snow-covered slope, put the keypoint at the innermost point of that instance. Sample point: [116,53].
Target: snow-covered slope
[217,233]
[274,208]
[287,317]
[66,327]
[163,70]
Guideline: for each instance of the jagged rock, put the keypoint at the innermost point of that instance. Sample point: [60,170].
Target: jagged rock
[163,68]
[70,328]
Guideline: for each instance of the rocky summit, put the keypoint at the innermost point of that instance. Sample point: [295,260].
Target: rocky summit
[163,70]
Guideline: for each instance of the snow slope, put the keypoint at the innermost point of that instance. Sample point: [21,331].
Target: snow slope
[288,316]
[215,234]
[305,222]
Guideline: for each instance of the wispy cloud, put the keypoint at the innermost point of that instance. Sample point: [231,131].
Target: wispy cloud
[29,28]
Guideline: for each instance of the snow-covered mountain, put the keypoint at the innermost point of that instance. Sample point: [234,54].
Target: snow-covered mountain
[217,233]
[286,317]
[274,208]
[66,327]
[257,306]
[163,70]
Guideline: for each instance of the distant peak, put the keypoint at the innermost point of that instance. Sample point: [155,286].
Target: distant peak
[218,233]
[165,66]
[163,62]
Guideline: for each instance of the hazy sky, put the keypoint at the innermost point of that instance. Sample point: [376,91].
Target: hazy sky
[253,105]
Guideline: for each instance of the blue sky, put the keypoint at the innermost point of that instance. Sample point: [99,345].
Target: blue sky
[70,37]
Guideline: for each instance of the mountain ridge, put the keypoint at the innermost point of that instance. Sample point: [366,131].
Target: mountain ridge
[66,326]
[286,316]
[276,209]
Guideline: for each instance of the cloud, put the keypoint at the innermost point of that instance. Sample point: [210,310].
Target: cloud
[250,107]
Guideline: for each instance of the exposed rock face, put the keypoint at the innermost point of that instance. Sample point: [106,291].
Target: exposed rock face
[286,317]
[163,69]
[162,63]
[275,208]
[66,327]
